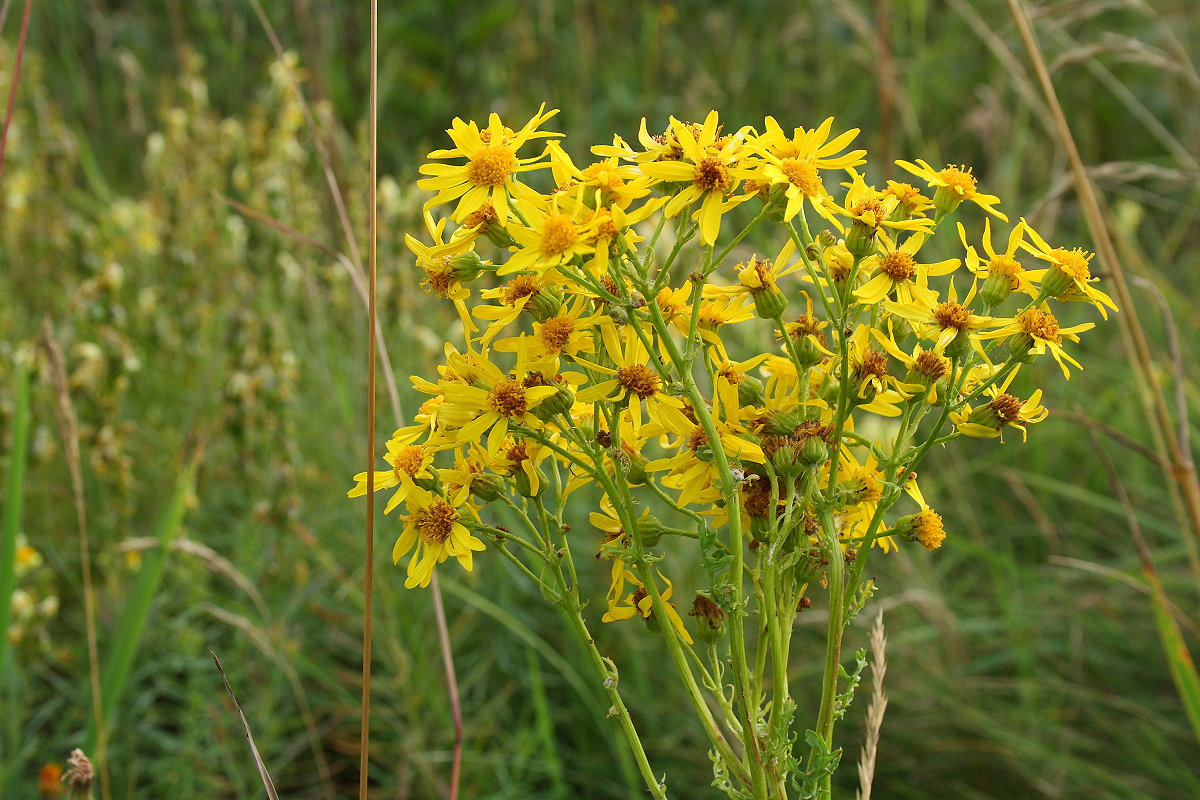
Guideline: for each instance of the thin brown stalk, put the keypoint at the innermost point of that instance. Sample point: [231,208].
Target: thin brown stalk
[1137,349]
[879,701]
[16,79]
[68,434]
[357,274]
[364,743]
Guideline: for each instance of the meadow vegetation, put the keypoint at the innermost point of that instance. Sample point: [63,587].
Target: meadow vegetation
[166,207]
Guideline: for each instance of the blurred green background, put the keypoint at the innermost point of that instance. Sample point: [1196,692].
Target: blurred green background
[1023,659]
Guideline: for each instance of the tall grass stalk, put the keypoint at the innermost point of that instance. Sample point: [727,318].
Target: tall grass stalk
[1182,472]
[1178,467]
[137,610]
[68,434]
[13,506]
[372,293]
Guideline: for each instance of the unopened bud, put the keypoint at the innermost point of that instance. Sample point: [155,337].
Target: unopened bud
[487,487]
[545,303]
[751,391]
[467,266]
[995,290]
[769,303]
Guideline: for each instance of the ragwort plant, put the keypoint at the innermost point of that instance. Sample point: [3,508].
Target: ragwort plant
[604,359]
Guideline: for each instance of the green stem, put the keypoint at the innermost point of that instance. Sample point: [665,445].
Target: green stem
[608,674]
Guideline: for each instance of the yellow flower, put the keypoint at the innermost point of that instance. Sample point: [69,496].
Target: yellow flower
[434,528]
[796,162]
[898,273]
[408,462]
[443,272]
[490,168]
[639,602]
[604,183]
[1003,410]
[949,323]
[1036,330]
[954,185]
[505,401]
[632,379]
[1069,277]
[567,333]
[1002,273]
[711,167]
[552,239]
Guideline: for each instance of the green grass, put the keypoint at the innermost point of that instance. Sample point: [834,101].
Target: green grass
[1023,657]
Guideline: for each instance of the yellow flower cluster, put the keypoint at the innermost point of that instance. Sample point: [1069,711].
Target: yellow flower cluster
[617,334]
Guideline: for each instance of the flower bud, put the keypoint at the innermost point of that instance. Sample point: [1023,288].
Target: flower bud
[467,266]
[635,471]
[560,402]
[777,202]
[651,530]
[524,487]
[487,487]
[545,303]
[946,200]
[960,345]
[751,391]
[1020,346]
[769,302]
[995,290]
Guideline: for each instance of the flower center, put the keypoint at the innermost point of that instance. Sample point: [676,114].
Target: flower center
[439,281]
[1040,325]
[959,180]
[697,439]
[951,315]
[1006,407]
[899,266]
[492,165]
[908,197]
[1074,263]
[484,215]
[931,365]
[872,365]
[1005,266]
[712,175]
[602,175]
[558,234]
[730,373]
[409,460]
[436,522]
[929,531]
[508,398]
[756,275]
[638,379]
[523,286]
[803,175]
[556,332]
[869,213]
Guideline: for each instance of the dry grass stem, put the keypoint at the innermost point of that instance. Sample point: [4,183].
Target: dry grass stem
[68,433]
[258,762]
[875,711]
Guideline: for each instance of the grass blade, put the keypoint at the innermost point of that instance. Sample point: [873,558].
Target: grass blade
[1179,660]
[258,762]
[13,502]
[137,609]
